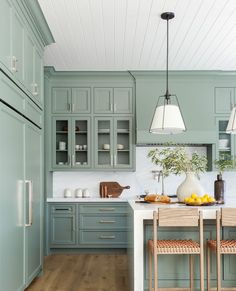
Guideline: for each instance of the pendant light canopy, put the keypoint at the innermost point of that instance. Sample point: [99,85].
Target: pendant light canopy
[167,118]
[231,127]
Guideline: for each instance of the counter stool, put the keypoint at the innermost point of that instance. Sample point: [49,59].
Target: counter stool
[225,217]
[170,217]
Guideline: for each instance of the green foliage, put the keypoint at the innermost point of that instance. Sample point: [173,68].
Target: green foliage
[175,160]
[225,162]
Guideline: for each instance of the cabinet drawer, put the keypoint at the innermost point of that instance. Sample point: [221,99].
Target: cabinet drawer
[103,208]
[103,222]
[103,238]
[62,209]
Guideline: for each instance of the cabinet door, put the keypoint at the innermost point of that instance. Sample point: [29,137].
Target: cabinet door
[224,99]
[103,100]
[81,143]
[12,200]
[33,174]
[123,146]
[38,76]
[104,156]
[81,100]
[62,230]
[29,60]
[17,46]
[61,100]
[61,150]
[123,102]
[5,32]
[225,140]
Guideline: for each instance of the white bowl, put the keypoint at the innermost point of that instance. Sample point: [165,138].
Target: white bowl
[120,146]
[106,146]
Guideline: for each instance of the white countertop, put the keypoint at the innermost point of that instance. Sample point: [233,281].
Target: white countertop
[92,199]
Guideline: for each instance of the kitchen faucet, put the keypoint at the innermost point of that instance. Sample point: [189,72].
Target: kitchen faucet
[158,175]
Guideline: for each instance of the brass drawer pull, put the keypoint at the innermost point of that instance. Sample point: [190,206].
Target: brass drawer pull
[107,236]
[106,209]
[107,221]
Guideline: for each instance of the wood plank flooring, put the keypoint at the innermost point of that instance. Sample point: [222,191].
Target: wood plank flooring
[83,272]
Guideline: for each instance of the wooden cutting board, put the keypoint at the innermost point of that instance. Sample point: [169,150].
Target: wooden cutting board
[111,188]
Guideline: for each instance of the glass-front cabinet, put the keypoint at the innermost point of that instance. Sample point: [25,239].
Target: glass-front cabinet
[71,143]
[225,140]
[113,143]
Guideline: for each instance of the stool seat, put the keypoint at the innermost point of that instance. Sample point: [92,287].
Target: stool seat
[175,246]
[226,246]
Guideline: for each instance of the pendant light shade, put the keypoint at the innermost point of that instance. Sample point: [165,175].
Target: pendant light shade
[167,118]
[231,127]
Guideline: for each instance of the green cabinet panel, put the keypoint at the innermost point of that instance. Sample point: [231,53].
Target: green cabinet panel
[229,261]
[113,142]
[29,60]
[226,142]
[71,100]
[71,143]
[113,100]
[61,100]
[224,100]
[103,238]
[91,221]
[101,208]
[81,100]
[5,30]
[37,89]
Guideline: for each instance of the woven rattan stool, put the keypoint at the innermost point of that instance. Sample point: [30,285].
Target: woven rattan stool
[170,217]
[225,217]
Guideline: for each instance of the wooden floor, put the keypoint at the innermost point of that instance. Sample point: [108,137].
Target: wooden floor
[83,272]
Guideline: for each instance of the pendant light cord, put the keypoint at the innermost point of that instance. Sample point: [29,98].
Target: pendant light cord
[167,64]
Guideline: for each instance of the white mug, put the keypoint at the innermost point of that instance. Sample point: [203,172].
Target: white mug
[67,193]
[62,145]
[86,193]
[78,193]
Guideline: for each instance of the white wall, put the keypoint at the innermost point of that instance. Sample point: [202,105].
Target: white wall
[139,181]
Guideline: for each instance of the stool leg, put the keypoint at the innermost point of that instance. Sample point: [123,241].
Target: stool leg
[201,271]
[155,274]
[150,269]
[191,271]
[218,271]
[208,270]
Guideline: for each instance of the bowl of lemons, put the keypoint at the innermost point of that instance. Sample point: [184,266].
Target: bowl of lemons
[195,200]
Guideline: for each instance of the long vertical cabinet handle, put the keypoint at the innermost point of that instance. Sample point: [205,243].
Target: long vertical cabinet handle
[30,191]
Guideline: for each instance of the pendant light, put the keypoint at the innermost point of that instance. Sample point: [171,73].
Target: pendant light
[167,118]
[231,127]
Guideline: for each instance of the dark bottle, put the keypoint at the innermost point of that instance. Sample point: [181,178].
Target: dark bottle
[219,189]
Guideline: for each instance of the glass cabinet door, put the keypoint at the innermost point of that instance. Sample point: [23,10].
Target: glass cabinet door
[81,143]
[123,142]
[225,141]
[104,157]
[61,142]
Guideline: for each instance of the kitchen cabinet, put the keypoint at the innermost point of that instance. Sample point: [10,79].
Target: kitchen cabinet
[62,225]
[71,143]
[113,100]
[71,100]
[224,100]
[226,142]
[21,200]
[113,143]
[87,225]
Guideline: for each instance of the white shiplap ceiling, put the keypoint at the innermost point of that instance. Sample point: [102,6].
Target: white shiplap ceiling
[130,35]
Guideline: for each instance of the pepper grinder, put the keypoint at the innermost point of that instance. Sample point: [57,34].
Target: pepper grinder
[219,189]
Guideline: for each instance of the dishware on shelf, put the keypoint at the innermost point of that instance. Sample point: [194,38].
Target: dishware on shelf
[78,193]
[120,146]
[78,163]
[223,143]
[62,145]
[77,147]
[86,193]
[68,193]
[60,163]
[106,146]
[85,163]
[84,147]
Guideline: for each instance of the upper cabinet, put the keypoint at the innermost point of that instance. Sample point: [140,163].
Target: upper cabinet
[224,100]
[71,100]
[22,44]
[113,101]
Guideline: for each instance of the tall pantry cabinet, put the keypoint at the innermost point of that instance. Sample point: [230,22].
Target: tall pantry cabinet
[21,146]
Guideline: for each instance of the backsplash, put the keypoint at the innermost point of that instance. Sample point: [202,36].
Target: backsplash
[139,181]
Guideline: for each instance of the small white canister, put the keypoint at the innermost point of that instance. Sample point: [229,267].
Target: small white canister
[78,193]
[68,193]
[86,193]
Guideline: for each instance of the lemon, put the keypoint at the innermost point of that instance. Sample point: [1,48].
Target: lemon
[191,200]
[186,200]
[206,196]
[211,199]
[194,195]
[198,201]
[204,199]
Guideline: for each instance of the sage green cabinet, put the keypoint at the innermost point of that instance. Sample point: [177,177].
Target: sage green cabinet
[5,31]
[71,100]
[62,227]
[226,142]
[113,100]
[113,143]
[71,147]
[224,100]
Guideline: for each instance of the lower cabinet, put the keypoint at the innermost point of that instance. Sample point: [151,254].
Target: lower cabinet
[88,225]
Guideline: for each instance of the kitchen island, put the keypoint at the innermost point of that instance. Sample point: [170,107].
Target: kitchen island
[140,226]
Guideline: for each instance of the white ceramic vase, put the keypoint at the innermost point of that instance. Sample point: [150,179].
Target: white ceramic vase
[190,185]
